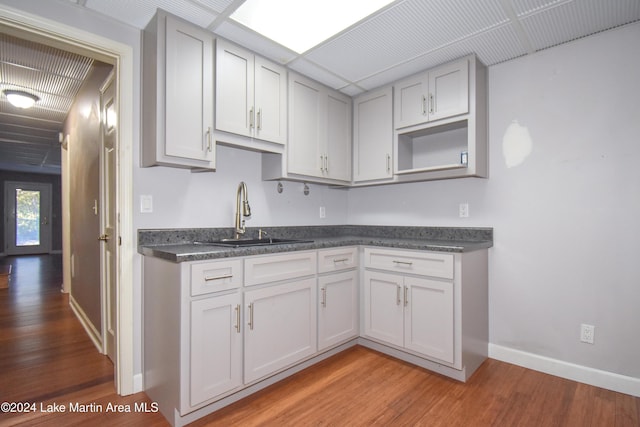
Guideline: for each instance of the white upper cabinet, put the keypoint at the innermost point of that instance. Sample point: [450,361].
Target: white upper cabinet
[433,95]
[373,135]
[251,94]
[177,94]
[319,131]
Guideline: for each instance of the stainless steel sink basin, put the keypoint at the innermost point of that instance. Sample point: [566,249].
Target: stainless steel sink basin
[234,243]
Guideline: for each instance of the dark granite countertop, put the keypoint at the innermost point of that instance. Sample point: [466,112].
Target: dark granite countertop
[176,245]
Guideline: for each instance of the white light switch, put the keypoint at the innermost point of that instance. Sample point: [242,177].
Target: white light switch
[146,203]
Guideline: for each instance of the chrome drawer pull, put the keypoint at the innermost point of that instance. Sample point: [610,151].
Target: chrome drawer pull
[238,318]
[324,297]
[340,260]
[226,276]
[403,262]
[397,295]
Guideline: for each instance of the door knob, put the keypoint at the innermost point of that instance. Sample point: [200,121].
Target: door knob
[104,237]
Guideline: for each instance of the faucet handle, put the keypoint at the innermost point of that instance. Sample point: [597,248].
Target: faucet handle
[261,234]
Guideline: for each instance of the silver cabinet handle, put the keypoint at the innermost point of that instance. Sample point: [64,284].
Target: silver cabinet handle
[321,163]
[406,299]
[431,103]
[326,163]
[324,297]
[251,316]
[403,262]
[251,118]
[337,260]
[225,276]
[209,145]
[388,163]
[238,318]
[397,295]
[259,119]
[424,105]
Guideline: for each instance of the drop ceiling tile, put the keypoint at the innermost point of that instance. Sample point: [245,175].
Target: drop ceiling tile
[405,31]
[573,20]
[138,13]
[525,7]
[251,40]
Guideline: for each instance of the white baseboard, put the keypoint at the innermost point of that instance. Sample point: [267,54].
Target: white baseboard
[583,374]
[93,333]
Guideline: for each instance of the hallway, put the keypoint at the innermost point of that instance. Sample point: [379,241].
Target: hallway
[46,356]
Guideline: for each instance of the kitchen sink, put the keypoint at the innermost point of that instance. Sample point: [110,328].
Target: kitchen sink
[235,243]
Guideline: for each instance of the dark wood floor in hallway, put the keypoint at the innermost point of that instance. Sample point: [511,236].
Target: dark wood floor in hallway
[46,358]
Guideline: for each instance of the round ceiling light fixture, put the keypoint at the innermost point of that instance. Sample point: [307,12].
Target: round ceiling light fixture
[20,99]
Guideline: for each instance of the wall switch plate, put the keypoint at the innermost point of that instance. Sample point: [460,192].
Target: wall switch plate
[464,210]
[146,203]
[323,212]
[587,333]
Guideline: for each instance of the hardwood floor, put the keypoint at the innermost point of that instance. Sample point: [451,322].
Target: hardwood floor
[46,357]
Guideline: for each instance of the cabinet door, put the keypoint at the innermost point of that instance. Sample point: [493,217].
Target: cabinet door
[429,318]
[337,161]
[411,101]
[270,101]
[280,327]
[234,89]
[373,135]
[338,308]
[216,347]
[306,127]
[383,307]
[189,92]
[449,90]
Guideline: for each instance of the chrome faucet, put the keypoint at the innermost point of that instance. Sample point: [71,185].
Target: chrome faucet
[242,209]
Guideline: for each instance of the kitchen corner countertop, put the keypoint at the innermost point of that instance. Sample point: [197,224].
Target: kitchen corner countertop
[177,245]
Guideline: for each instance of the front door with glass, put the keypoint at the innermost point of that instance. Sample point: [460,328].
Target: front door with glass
[28,214]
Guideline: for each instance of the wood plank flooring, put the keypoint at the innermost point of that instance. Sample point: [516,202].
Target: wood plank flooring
[46,357]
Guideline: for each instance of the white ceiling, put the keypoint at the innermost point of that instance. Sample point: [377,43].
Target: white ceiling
[406,37]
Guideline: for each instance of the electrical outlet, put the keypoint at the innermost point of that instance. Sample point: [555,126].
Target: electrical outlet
[586,333]
[323,212]
[464,210]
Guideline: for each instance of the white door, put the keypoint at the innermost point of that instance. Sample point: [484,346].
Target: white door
[28,214]
[108,216]
[338,148]
[411,101]
[449,90]
[216,347]
[280,327]
[189,93]
[338,308]
[429,318]
[383,307]
[270,101]
[373,135]
[306,126]
[234,89]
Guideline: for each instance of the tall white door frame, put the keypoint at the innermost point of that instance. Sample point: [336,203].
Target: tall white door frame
[122,56]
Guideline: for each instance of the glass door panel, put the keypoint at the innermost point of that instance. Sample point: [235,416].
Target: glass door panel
[27,209]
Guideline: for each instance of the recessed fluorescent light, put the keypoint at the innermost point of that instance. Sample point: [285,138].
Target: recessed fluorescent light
[300,25]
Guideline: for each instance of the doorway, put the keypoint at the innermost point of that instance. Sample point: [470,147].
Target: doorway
[121,55]
[28,213]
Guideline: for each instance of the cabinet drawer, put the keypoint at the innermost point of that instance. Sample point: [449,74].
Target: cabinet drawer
[274,268]
[337,259]
[414,262]
[207,277]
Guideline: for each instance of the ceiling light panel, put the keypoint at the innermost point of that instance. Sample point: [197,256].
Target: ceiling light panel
[576,19]
[300,25]
[405,31]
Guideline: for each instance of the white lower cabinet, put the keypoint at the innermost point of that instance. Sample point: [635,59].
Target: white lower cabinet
[280,327]
[215,331]
[215,347]
[410,312]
